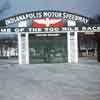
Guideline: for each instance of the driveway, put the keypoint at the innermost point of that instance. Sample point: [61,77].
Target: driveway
[50,82]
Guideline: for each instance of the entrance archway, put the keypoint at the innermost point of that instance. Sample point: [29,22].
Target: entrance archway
[39,48]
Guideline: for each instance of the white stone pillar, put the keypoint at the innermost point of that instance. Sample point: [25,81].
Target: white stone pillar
[23,48]
[76,47]
[22,44]
[19,49]
[23,52]
[72,47]
[27,48]
[68,46]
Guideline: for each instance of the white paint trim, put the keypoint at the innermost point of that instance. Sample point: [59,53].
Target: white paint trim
[19,49]
[27,48]
[68,47]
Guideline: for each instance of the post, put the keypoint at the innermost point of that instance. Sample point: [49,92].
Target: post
[27,48]
[22,44]
[72,47]
[76,47]
[19,49]
[68,46]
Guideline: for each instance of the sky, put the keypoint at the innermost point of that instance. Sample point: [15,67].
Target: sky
[88,8]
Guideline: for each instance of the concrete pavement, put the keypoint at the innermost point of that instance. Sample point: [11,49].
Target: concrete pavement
[50,82]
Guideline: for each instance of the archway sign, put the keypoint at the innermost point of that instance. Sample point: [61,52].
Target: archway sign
[50,29]
[44,14]
[47,22]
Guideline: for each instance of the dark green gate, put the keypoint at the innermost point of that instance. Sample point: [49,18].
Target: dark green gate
[45,48]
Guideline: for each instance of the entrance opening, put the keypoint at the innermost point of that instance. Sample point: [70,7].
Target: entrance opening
[87,46]
[48,48]
[8,49]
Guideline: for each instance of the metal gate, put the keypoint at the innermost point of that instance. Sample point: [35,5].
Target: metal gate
[48,48]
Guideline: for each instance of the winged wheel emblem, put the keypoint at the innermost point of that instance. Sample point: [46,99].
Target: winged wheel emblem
[47,22]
